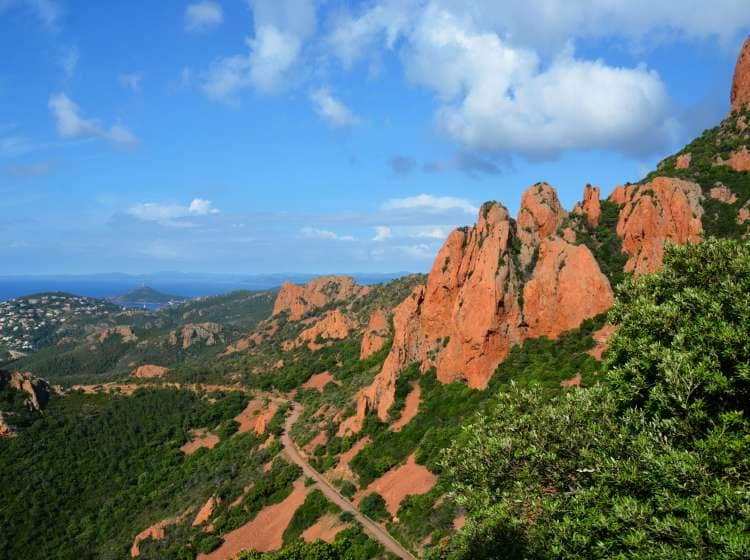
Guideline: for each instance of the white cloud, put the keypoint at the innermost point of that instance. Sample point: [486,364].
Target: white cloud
[430,203]
[331,110]
[131,81]
[171,214]
[434,232]
[71,124]
[382,233]
[203,16]
[507,77]
[282,28]
[315,233]
[69,62]
[420,251]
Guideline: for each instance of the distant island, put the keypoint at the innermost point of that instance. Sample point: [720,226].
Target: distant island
[147,297]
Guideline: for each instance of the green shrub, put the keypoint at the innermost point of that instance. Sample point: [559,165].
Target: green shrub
[373,506]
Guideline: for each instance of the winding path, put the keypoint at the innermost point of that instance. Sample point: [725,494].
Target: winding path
[372,528]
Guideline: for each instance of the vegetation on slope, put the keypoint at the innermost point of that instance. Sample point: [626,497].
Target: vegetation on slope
[654,463]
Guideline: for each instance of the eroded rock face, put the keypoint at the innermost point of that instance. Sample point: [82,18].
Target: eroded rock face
[468,316]
[38,391]
[567,287]
[333,325]
[375,334]
[205,333]
[740,95]
[298,300]
[722,193]
[6,430]
[739,160]
[149,371]
[683,161]
[666,209]
[125,332]
[539,217]
[743,216]
[591,205]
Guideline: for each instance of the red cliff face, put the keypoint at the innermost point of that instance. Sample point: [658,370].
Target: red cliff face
[566,288]
[375,334]
[539,217]
[298,300]
[468,316]
[666,209]
[590,206]
[740,95]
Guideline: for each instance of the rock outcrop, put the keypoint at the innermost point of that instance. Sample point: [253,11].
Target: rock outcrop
[38,391]
[591,206]
[739,160]
[665,209]
[683,161]
[207,334]
[567,287]
[722,193]
[125,332]
[375,334]
[471,312]
[740,94]
[148,371]
[333,326]
[298,300]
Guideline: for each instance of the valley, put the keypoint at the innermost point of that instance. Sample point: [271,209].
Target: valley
[562,384]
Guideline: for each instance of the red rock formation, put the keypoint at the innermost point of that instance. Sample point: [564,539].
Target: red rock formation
[683,161]
[721,192]
[468,316]
[375,334]
[744,213]
[38,391]
[601,340]
[6,430]
[205,513]
[206,333]
[539,217]
[298,300]
[125,332]
[333,325]
[740,95]
[574,381]
[149,371]
[567,287]
[739,160]
[590,206]
[666,209]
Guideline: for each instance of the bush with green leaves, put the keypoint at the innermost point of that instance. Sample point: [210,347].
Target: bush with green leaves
[652,463]
[373,506]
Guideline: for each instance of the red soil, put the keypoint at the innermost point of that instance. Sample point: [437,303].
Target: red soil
[601,337]
[326,528]
[411,408]
[265,532]
[319,381]
[342,470]
[396,484]
[201,438]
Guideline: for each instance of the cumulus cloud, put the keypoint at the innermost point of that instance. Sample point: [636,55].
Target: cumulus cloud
[282,28]
[508,80]
[382,233]
[316,233]
[131,81]
[71,124]
[203,16]
[430,203]
[332,110]
[435,232]
[171,214]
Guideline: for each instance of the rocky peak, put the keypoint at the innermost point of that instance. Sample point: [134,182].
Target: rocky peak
[539,217]
[664,209]
[469,315]
[590,206]
[298,300]
[740,94]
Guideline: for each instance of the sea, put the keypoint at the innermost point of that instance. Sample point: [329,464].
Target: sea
[178,284]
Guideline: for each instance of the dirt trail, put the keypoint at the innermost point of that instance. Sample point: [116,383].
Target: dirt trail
[372,528]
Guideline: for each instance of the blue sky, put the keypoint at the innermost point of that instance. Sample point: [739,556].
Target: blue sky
[319,136]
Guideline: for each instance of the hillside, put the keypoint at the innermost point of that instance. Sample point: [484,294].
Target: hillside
[145,296]
[562,384]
